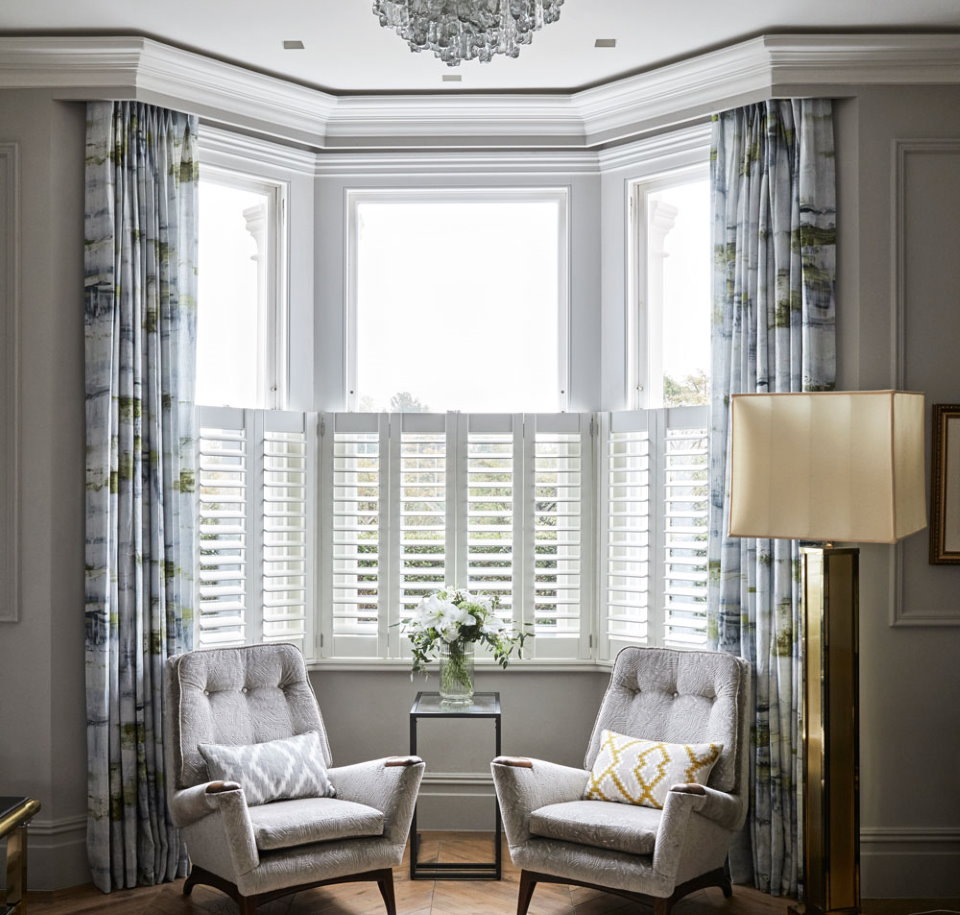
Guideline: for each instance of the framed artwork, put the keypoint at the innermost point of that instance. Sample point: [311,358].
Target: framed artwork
[945,485]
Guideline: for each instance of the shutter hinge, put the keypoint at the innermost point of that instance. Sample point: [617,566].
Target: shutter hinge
[593,426]
[323,431]
[321,640]
[590,641]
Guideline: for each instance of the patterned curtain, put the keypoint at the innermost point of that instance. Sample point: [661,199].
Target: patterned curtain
[774,242]
[140,332]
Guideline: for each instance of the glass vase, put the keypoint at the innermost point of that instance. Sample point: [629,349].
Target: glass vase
[456,673]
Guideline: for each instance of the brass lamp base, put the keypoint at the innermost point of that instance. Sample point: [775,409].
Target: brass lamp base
[831,757]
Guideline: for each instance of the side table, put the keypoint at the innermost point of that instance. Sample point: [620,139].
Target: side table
[15,813]
[429,705]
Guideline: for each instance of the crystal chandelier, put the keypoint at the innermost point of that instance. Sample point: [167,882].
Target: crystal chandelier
[457,30]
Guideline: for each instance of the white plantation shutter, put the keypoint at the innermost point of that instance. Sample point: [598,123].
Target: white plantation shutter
[421,505]
[625,530]
[354,461]
[557,525]
[490,515]
[686,491]
[223,545]
[257,489]
[653,528]
[288,486]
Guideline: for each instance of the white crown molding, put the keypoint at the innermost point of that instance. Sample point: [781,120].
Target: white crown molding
[771,65]
[499,163]
[236,151]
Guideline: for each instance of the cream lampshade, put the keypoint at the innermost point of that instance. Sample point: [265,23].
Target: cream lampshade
[842,466]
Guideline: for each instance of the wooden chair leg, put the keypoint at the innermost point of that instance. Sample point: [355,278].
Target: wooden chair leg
[385,882]
[527,886]
[661,905]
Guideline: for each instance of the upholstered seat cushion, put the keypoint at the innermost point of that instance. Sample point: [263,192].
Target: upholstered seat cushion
[284,824]
[621,827]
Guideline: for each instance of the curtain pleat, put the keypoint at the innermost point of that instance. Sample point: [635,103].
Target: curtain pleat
[140,243]
[774,242]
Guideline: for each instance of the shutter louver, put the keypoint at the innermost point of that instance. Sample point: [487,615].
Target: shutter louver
[626,558]
[284,542]
[423,516]
[358,555]
[223,543]
[685,527]
[558,502]
[490,510]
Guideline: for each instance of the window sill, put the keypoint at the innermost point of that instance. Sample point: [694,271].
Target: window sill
[531,666]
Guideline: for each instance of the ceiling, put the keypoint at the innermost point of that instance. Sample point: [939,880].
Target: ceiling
[347,51]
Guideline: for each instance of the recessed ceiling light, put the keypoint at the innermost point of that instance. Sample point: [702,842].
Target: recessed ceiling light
[452,77]
[605,43]
[293,46]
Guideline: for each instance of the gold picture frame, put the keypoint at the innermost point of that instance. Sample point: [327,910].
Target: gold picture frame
[945,485]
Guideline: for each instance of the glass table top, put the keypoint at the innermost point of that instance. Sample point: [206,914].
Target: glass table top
[483,704]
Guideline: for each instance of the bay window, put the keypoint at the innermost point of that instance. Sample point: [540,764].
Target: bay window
[454,461]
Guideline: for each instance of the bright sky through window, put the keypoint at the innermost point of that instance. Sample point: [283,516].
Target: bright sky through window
[458,305]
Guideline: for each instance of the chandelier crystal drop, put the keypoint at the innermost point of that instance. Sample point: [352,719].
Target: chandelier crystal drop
[456,30]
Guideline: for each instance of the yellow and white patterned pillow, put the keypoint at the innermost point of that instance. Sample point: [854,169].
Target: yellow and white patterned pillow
[630,770]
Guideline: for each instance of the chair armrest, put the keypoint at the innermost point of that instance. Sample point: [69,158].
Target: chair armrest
[218,811]
[390,785]
[524,785]
[678,834]
[194,803]
[724,809]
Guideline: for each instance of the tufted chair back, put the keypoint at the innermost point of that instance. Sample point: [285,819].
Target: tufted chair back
[235,696]
[680,697]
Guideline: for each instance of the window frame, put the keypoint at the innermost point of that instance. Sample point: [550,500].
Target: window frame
[643,315]
[533,194]
[273,305]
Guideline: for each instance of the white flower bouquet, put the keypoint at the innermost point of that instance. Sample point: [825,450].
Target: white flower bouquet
[453,618]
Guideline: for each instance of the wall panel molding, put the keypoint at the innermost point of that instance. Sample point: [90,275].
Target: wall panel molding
[907,151]
[9,382]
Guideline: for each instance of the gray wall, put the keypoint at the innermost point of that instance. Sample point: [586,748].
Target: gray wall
[899,308]
[911,808]
[42,750]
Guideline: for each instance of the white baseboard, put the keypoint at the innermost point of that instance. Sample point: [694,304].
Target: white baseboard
[57,853]
[908,862]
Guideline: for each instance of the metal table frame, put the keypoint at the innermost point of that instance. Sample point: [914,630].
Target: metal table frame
[460,870]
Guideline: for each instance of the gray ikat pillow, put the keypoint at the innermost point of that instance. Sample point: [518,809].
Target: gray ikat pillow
[272,771]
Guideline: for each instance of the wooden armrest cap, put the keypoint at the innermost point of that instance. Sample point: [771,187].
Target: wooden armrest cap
[689,788]
[402,761]
[220,787]
[517,762]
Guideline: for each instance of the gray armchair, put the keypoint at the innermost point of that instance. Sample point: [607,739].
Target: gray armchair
[639,852]
[239,697]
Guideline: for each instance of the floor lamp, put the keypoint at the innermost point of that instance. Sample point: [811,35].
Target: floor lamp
[829,467]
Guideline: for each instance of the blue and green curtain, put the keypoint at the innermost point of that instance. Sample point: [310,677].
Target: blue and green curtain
[774,247]
[140,257]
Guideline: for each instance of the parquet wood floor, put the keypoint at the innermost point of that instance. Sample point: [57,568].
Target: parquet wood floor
[429,897]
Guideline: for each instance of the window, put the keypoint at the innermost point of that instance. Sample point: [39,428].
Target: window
[671,278]
[458,300]
[453,460]
[654,461]
[239,334]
